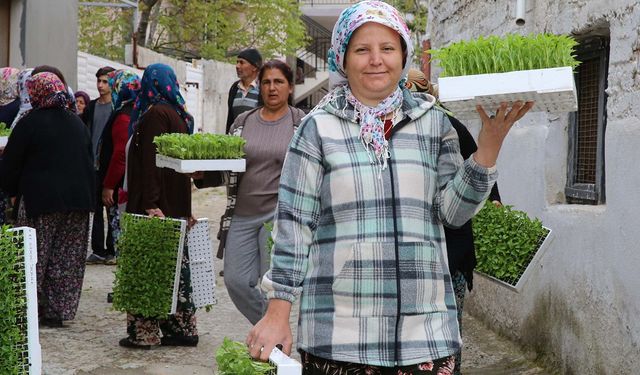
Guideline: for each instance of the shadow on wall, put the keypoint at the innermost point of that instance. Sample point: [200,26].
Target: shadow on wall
[553,313]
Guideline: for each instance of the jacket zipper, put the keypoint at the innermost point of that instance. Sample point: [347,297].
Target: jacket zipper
[395,240]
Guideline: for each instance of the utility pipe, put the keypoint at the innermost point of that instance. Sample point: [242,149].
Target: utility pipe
[521,8]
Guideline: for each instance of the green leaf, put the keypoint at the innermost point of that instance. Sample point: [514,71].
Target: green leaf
[506,240]
[505,54]
[233,359]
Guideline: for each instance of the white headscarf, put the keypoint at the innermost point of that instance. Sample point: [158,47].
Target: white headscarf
[370,119]
[25,100]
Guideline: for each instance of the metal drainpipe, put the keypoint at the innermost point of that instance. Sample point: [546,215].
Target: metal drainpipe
[521,8]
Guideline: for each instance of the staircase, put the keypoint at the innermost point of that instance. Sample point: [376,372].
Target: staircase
[313,60]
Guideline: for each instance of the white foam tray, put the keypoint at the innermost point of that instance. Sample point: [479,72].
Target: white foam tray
[553,90]
[33,336]
[285,365]
[203,274]
[3,141]
[190,166]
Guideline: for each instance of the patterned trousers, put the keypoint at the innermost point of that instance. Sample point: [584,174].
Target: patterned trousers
[62,239]
[146,331]
[459,288]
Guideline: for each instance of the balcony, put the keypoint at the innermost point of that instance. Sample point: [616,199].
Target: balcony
[324,12]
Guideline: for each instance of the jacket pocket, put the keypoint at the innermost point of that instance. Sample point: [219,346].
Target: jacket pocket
[367,284]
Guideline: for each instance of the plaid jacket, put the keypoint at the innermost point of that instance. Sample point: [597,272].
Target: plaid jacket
[365,249]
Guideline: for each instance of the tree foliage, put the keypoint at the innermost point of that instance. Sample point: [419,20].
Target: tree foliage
[415,13]
[212,29]
[104,31]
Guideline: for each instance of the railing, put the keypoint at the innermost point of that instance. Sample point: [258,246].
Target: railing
[318,48]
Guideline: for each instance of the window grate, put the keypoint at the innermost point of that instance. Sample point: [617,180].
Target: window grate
[587,141]
[585,170]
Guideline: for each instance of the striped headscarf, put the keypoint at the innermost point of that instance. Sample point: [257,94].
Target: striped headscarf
[417,81]
[371,123]
[159,85]
[47,91]
[125,86]
[8,85]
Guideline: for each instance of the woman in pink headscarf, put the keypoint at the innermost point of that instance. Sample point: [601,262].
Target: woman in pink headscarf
[371,177]
[48,162]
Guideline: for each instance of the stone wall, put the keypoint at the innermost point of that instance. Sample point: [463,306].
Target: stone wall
[580,311]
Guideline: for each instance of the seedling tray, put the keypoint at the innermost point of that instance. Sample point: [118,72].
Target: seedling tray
[203,275]
[553,90]
[190,166]
[536,261]
[24,238]
[3,141]
[178,225]
[285,365]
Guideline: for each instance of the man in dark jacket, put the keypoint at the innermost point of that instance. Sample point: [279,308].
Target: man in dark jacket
[244,93]
[96,116]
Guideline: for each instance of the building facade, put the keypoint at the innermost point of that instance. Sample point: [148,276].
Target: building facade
[579,312]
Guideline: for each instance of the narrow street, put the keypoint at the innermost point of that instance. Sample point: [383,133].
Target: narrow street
[89,345]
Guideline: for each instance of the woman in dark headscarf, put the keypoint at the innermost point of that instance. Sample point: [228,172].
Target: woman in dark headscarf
[48,162]
[160,192]
[82,101]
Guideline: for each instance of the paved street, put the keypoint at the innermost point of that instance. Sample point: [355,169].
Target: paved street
[89,345]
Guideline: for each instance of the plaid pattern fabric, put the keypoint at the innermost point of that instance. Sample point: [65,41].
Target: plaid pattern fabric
[365,248]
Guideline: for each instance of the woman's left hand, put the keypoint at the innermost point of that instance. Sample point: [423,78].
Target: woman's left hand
[191,221]
[495,129]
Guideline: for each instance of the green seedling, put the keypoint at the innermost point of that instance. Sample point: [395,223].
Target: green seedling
[506,240]
[200,146]
[512,52]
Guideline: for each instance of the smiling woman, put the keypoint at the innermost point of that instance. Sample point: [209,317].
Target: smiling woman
[373,62]
[371,177]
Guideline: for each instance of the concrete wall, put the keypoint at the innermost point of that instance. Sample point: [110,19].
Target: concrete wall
[217,78]
[581,308]
[44,32]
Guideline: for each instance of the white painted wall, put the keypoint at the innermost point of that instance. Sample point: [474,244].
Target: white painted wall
[88,65]
[581,310]
[207,101]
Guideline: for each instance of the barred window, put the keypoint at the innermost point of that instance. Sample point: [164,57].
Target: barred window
[585,180]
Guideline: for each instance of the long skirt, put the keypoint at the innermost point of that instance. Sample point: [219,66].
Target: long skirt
[62,239]
[146,331]
[459,288]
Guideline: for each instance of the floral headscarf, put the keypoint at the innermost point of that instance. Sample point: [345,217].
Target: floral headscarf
[25,99]
[159,85]
[47,91]
[371,124]
[8,85]
[125,86]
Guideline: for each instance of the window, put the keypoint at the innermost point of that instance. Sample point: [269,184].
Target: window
[585,180]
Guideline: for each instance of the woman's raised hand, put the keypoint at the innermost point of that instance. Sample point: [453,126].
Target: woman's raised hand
[495,129]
